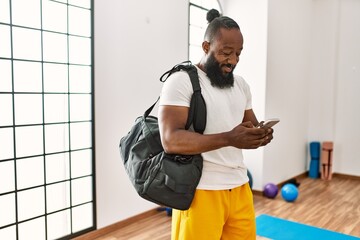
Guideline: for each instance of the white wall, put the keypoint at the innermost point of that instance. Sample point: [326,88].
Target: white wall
[335,84]
[347,89]
[135,42]
[289,43]
[323,70]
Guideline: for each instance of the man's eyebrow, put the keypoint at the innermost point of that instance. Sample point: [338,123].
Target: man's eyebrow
[231,48]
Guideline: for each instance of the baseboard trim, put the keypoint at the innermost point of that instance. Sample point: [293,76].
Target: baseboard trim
[300,176]
[257,192]
[346,176]
[116,226]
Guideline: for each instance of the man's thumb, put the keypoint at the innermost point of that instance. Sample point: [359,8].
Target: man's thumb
[248,124]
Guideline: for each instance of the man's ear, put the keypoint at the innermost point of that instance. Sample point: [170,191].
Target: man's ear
[206,46]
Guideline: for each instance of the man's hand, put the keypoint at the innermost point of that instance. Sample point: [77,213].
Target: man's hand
[269,135]
[247,136]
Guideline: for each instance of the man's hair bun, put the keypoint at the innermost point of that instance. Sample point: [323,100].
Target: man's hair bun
[212,14]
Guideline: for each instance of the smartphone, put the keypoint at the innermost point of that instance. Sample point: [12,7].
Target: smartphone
[268,123]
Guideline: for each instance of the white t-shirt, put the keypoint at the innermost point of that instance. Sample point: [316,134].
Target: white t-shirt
[223,168]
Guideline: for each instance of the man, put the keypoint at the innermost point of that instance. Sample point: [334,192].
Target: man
[223,205]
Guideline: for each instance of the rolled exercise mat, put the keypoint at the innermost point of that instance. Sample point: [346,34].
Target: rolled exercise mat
[314,170]
[326,160]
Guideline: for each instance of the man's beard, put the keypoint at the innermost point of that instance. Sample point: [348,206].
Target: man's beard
[215,74]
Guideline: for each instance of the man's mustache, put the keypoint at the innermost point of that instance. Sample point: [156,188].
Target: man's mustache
[230,66]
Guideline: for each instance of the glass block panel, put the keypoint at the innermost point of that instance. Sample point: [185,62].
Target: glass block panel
[7,143]
[7,178]
[56,108]
[8,233]
[6,76]
[27,76]
[4,13]
[80,135]
[29,49]
[81,190]
[58,224]
[80,3]
[28,109]
[34,229]
[30,172]
[7,210]
[29,141]
[57,196]
[198,17]
[55,78]
[82,217]
[80,107]
[6,110]
[26,13]
[56,138]
[57,167]
[5,41]
[196,53]
[31,203]
[196,35]
[80,79]
[79,21]
[36,117]
[80,50]
[55,47]
[54,16]
[209,4]
[81,164]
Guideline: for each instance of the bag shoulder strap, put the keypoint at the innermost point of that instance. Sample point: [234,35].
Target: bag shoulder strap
[197,110]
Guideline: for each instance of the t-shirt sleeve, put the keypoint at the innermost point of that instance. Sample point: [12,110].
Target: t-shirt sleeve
[246,89]
[249,98]
[177,90]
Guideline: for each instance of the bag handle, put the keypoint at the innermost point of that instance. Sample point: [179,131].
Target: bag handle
[147,112]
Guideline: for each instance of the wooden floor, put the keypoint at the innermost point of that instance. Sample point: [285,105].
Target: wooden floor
[333,205]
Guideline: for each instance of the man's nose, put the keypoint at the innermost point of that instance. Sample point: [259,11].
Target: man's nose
[233,59]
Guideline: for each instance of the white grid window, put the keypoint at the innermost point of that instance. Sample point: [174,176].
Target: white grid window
[46,119]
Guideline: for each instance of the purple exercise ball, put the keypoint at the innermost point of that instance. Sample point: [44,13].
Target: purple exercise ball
[271,190]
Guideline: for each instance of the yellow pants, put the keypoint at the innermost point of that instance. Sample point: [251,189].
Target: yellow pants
[215,215]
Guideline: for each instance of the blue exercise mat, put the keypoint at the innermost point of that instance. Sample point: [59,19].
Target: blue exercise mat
[281,229]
